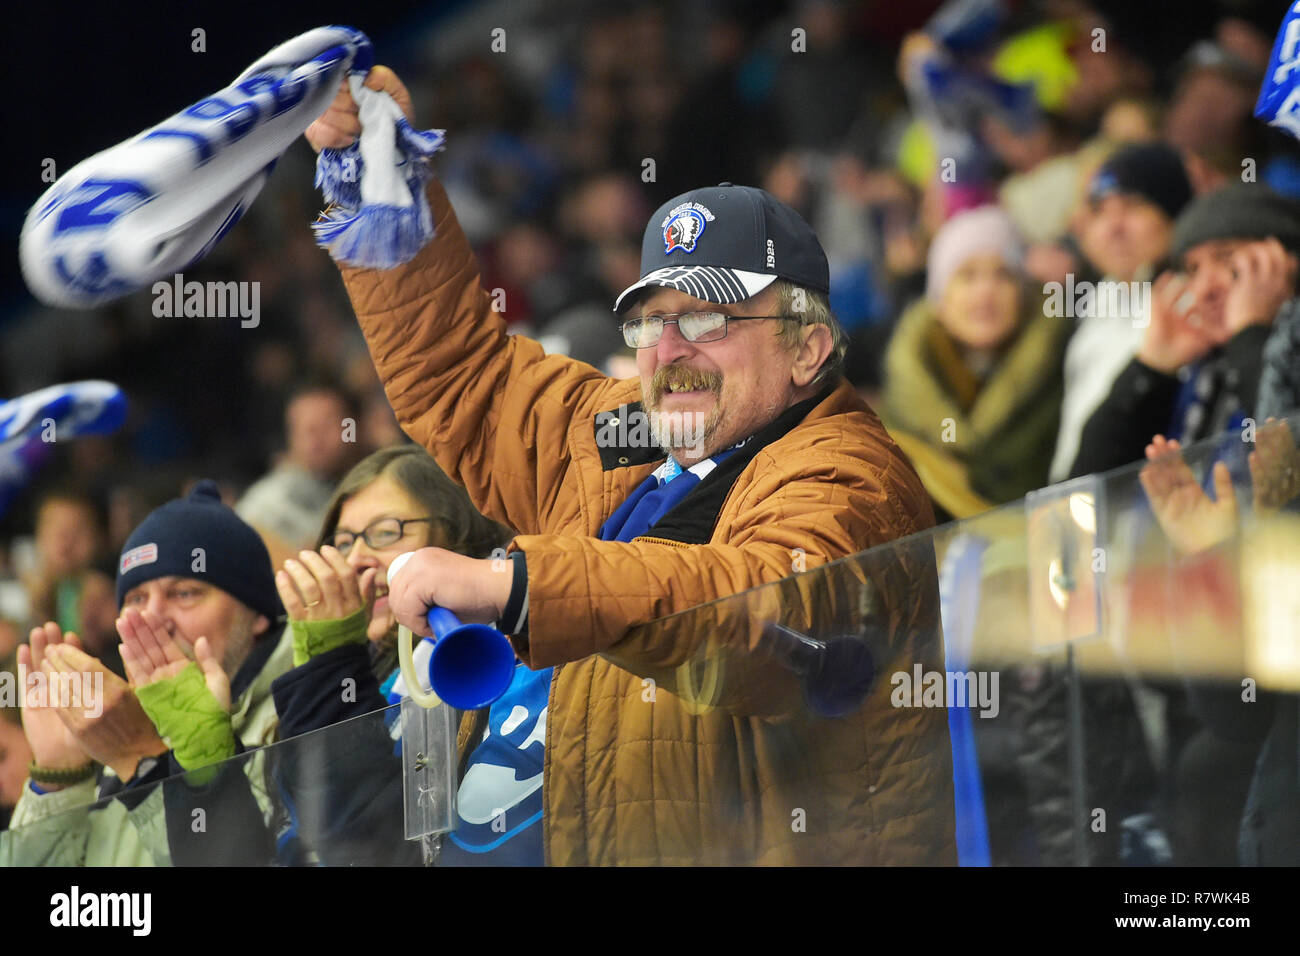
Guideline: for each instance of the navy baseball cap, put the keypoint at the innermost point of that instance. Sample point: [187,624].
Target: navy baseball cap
[726,243]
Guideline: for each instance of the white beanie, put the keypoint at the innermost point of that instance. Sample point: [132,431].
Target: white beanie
[971,233]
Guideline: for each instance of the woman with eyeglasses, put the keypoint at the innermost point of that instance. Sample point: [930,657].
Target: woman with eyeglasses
[343,787]
[395,500]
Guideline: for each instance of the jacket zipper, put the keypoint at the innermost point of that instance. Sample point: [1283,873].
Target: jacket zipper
[652,540]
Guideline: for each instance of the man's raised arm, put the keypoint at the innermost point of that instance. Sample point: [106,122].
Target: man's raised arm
[493,409]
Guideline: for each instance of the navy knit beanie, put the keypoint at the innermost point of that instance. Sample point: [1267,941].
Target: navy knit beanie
[1153,171]
[199,537]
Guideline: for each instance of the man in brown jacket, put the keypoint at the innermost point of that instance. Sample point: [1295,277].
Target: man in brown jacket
[710,737]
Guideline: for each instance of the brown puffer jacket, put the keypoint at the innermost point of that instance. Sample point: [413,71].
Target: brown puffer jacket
[718,760]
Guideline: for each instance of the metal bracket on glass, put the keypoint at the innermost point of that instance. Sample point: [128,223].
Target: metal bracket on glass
[1065,562]
[428,758]
[1066,565]
[428,769]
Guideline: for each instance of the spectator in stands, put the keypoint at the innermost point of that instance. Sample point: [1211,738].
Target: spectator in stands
[1209,118]
[394,500]
[1127,228]
[66,586]
[1241,252]
[349,806]
[286,506]
[202,640]
[1198,368]
[1265,723]
[1125,234]
[793,459]
[972,375]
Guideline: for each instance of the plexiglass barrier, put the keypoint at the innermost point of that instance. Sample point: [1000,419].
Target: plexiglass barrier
[1105,673]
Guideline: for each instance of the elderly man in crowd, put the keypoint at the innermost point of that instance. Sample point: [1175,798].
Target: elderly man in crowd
[1198,369]
[762,462]
[202,640]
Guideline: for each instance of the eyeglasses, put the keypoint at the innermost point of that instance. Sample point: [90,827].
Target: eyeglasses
[380,533]
[646,331]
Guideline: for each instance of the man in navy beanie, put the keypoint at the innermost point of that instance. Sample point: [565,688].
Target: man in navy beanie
[203,638]
[1125,232]
[200,541]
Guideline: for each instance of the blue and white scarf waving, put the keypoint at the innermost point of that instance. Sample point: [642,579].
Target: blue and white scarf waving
[161,200]
[32,424]
[1279,95]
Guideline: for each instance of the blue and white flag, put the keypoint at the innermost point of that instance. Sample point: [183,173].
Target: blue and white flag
[1279,98]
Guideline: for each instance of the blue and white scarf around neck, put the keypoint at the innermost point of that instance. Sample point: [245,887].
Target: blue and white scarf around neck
[658,494]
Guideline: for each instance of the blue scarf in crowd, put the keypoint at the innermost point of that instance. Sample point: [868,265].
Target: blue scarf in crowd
[499,804]
[657,495]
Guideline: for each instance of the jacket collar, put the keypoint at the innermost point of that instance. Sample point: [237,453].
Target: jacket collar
[692,520]
[918,394]
[271,656]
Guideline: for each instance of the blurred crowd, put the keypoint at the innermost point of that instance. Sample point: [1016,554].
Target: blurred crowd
[970,169]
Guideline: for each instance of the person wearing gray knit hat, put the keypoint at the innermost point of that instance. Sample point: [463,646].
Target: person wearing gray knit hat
[1236,251]
[1249,211]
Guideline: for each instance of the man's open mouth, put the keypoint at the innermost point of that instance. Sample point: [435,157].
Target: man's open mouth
[676,380]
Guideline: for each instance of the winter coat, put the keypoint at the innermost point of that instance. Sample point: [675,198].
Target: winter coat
[996,445]
[103,823]
[683,741]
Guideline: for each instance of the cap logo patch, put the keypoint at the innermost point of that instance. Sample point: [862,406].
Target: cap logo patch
[144,554]
[1103,184]
[684,225]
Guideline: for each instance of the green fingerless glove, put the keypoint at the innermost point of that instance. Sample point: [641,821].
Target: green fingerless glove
[189,718]
[314,638]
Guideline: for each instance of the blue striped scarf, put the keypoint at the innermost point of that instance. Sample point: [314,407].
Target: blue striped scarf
[161,200]
[657,495]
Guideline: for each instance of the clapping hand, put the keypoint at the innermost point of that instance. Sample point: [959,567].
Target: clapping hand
[150,654]
[1263,277]
[324,587]
[1175,335]
[1190,518]
[54,745]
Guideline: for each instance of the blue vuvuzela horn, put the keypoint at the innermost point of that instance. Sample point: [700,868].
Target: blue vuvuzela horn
[472,664]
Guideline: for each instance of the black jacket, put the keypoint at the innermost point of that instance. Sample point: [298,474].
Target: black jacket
[345,783]
[1142,403]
